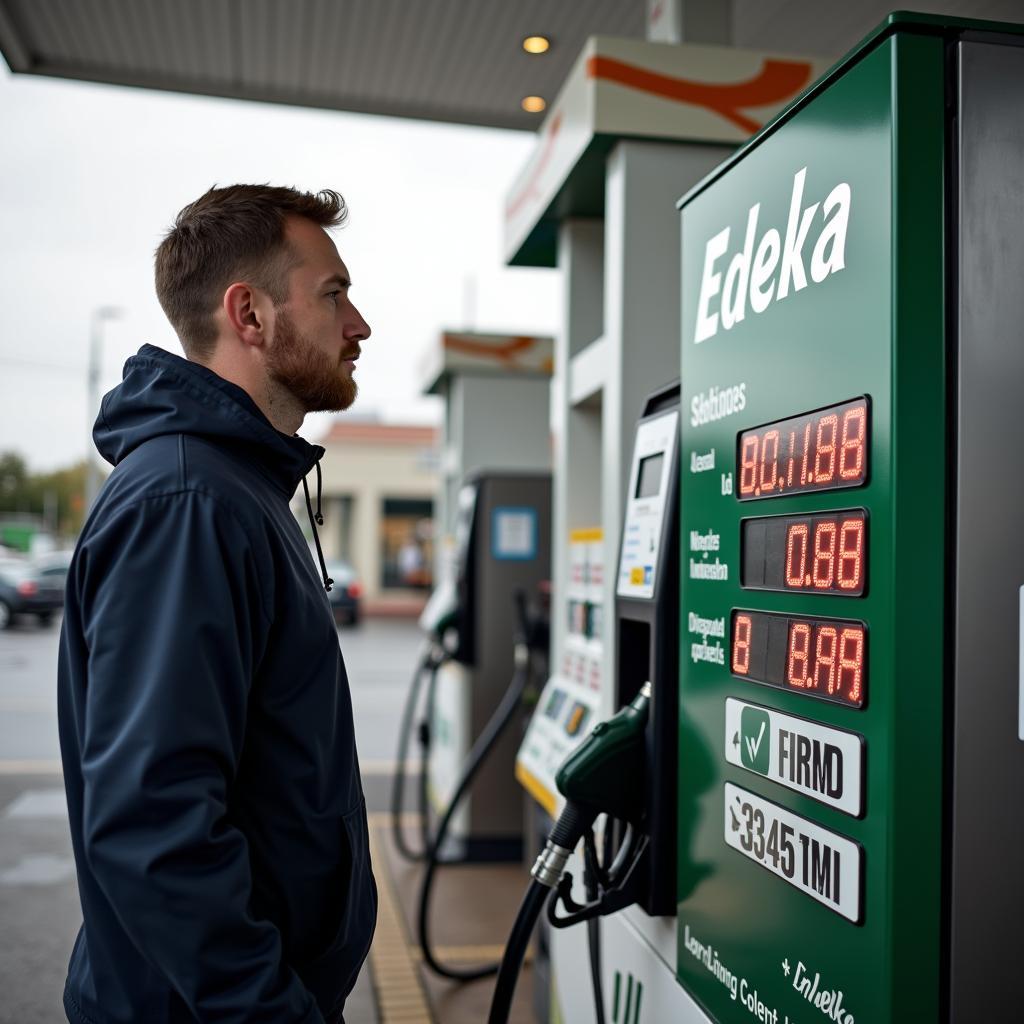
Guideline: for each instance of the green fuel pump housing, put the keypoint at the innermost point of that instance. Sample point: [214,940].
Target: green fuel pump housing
[851,764]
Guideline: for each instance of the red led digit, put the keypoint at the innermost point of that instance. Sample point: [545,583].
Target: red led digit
[851,553]
[851,664]
[825,454]
[748,464]
[769,467]
[741,645]
[796,541]
[799,654]
[824,554]
[853,446]
[822,450]
[825,658]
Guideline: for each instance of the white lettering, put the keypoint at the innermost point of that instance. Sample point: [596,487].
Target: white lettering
[707,322]
[717,403]
[769,271]
[792,248]
[765,262]
[734,295]
[835,232]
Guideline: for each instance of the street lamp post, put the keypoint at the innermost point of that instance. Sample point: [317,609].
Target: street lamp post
[99,317]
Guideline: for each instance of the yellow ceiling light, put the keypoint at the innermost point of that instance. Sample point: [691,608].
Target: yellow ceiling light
[533,104]
[536,44]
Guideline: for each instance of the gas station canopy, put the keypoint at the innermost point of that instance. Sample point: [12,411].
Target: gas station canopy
[459,61]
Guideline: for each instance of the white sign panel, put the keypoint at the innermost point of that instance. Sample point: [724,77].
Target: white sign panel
[816,861]
[646,503]
[1020,674]
[816,760]
[514,534]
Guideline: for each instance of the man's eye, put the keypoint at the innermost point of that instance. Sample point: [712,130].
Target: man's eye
[333,295]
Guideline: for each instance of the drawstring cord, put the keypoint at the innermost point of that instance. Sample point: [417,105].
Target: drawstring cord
[318,519]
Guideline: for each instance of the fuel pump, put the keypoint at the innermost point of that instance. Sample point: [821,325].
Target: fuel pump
[531,651]
[502,546]
[638,839]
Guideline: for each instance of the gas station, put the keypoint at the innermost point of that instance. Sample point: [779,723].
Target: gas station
[722,684]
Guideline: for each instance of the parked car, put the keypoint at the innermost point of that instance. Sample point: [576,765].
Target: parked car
[51,570]
[24,592]
[345,593]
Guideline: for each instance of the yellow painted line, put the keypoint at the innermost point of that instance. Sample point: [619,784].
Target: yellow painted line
[401,998]
[27,766]
[382,766]
[584,536]
[536,789]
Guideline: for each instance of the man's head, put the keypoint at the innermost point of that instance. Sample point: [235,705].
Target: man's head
[250,280]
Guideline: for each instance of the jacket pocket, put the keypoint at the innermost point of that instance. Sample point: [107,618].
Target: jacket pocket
[332,973]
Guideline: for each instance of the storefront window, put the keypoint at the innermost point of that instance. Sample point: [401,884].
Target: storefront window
[407,542]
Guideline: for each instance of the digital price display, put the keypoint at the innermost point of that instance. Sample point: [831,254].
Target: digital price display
[822,554]
[818,451]
[824,658]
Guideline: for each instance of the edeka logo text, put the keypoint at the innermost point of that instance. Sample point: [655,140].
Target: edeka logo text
[776,267]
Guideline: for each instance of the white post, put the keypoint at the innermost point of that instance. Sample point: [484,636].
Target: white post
[92,476]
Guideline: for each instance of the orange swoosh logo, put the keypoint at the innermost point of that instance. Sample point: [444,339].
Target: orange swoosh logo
[529,190]
[777,80]
[504,353]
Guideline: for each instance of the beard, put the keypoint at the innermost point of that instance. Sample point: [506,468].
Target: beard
[318,382]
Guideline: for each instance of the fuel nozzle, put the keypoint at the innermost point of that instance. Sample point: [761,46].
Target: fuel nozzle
[604,775]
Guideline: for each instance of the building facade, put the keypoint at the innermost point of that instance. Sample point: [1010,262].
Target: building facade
[380,483]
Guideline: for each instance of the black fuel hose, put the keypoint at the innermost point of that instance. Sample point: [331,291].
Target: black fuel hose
[591,885]
[430,662]
[573,823]
[515,950]
[490,735]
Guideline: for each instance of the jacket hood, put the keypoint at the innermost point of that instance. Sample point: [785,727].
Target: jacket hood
[161,393]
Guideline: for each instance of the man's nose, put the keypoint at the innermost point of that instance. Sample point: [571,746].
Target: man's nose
[359,329]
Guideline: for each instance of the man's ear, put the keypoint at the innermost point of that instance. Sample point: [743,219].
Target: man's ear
[245,313]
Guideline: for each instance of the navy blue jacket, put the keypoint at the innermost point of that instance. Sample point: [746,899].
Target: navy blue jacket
[216,809]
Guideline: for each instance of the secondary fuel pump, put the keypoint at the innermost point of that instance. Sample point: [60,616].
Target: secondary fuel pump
[502,547]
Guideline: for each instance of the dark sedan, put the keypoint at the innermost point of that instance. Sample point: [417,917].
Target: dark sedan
[24,592]
[345,593]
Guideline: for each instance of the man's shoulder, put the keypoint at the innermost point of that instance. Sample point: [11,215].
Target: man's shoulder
[183,462]
[184,465]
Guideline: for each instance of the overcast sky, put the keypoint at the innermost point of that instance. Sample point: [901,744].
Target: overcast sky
[91,177]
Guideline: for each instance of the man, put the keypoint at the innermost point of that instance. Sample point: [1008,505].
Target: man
[213,790]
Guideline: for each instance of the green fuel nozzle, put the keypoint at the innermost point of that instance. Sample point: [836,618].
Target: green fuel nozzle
[604,775]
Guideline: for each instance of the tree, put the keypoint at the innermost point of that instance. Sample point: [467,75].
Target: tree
[57,498]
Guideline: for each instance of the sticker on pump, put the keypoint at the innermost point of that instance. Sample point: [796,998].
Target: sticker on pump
[816,760]
[820,863]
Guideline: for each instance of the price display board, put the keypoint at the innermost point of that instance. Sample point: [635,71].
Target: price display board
[813,566]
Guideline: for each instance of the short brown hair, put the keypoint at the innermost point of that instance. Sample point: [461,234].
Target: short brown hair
[230,234]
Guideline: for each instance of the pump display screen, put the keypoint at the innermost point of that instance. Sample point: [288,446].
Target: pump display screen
[822,554]
[824,658]
[648,482]
[818,451]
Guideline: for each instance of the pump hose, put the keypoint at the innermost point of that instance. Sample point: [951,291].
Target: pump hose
[591,885]
[477,755]
[573,823]
[515,950]
[431,662]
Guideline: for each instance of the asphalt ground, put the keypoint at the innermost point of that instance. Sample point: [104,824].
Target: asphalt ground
[39,909]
